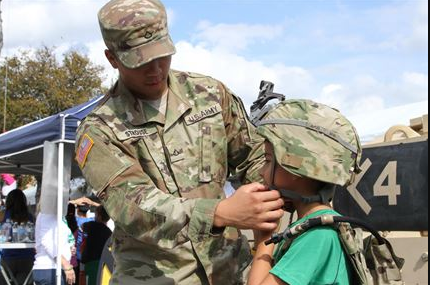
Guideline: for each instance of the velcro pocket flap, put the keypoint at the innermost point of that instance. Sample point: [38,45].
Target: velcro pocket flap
[103,165]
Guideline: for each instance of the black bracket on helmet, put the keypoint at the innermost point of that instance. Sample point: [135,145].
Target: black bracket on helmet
[259,108]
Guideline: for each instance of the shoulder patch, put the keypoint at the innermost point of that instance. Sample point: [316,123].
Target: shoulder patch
[83,150]
[209,112]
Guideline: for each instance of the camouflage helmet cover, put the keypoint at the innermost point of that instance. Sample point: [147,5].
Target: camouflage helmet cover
[313,140]
[136,31]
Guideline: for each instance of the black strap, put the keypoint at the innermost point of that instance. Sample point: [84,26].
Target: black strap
[297,197]
[323,220]
[325,195]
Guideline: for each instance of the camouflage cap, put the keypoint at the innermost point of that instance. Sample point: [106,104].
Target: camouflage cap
[313,140]
[136,31]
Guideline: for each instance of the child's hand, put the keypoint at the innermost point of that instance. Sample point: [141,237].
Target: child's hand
[262,236]
[73,250]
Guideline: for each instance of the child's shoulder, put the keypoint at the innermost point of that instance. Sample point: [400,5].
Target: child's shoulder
[323,232]
[317,239]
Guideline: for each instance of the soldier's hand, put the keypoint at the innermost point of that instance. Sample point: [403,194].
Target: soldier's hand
[252,206]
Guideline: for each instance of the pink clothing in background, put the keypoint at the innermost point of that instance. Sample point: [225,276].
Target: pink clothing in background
[8,178]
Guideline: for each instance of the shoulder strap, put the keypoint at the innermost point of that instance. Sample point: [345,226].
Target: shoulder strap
[352,243]
[373,260]
[292,233]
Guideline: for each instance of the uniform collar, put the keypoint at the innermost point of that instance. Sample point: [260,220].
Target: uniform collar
[177,104]
[141,114]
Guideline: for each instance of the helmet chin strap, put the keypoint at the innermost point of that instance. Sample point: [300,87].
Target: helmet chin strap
[325,195]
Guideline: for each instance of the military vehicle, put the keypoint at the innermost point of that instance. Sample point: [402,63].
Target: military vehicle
[391,193]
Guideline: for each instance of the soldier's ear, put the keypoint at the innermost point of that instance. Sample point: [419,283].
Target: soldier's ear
[112,58]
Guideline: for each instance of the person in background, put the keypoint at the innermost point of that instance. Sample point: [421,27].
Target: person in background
[96,234]
[47,231]
[2,208]
[81,218]
[19,261]
[82,215]
[82,205]
[9,183]
[73,226]
[71,217]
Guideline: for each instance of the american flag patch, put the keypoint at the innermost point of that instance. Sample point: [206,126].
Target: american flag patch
[83,150]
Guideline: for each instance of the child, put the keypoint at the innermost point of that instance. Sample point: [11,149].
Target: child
[311,148]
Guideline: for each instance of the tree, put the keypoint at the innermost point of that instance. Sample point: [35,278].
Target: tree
[39,86]
[1,30]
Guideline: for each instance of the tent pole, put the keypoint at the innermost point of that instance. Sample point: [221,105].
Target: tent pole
[5,98]
[60,187]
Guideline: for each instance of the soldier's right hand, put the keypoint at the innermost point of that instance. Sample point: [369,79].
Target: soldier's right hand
[252,206]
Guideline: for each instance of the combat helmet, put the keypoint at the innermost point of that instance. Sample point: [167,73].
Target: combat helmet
[312,140]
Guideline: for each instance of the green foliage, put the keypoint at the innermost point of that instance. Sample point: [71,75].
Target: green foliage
[40,86]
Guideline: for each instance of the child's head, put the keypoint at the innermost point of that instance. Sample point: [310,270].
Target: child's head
[101,215]
[311,148]
[83,210]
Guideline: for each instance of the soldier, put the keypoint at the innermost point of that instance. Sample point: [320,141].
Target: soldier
[158,152]
[311,148]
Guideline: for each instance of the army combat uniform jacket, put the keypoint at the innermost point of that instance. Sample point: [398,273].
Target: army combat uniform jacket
[160,179]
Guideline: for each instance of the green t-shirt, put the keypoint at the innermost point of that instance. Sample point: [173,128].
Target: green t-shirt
[314,258]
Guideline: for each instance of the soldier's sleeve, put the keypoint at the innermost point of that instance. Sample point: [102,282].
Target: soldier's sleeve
[130,197]
[245,146]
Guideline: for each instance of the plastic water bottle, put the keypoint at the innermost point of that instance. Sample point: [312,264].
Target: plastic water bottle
[30,231]
[7,229]
[22,233]
[2,237]
[15,232]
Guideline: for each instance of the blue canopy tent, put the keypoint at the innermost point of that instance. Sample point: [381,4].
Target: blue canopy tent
[45,149]
[21,149]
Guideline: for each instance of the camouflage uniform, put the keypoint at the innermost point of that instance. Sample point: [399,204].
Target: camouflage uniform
[161,178]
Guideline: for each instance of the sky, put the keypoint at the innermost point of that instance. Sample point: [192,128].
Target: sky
[367,58]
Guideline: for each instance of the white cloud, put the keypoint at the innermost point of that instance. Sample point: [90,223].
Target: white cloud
[96,54]
[420,28]
[49,23]
[363,98]
[235,37]
[371,124]
[333,95]
[405,25]
[365,93]
[367,104]
[239,74]
[414,85]
[417,79]
[390,26]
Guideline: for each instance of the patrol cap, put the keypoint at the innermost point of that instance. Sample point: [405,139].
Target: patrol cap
[136,31]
